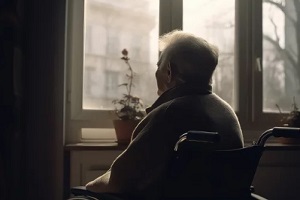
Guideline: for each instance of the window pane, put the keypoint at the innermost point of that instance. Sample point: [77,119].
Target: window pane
[281,62]
[214,21]
[111,26]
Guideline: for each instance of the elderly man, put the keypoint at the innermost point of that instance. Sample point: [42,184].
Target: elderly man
[185,102]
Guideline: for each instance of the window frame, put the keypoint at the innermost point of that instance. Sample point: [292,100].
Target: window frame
[75,61]
[248,64]
[250,78]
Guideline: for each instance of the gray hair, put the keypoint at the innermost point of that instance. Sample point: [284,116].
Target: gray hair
[191,58]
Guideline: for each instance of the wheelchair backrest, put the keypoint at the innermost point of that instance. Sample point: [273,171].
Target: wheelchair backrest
[208,174]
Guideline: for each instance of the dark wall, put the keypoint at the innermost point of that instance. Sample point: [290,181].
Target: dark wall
[44,87]
[12,133]
[31,99]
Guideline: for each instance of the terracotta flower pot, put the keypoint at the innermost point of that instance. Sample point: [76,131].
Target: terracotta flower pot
[124,129]
[293,120]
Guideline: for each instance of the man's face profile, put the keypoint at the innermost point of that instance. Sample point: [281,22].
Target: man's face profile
[162,75]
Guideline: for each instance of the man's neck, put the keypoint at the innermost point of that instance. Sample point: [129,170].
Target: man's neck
[180,90]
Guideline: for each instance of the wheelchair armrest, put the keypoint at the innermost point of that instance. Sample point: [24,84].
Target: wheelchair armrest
[201,136]
[257,197]
[198,137]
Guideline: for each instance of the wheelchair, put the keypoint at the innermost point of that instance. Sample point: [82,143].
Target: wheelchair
[196,171]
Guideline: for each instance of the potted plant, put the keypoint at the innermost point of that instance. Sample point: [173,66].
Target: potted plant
[129,108]
[292,120]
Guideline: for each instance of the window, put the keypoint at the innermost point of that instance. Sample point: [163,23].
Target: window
[281,59]
[258,71]
[97,32]
[122,26]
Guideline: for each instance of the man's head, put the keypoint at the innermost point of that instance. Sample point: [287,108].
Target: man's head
[184,58]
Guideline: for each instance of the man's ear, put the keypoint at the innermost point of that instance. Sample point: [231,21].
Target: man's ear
[169,71]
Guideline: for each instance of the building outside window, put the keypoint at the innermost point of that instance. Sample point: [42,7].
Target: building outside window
[89,82]
[111,84]
[120,23]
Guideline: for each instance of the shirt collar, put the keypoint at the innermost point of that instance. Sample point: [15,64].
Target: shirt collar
[184,89]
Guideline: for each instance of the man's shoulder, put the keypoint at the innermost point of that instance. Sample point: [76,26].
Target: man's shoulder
[191,104]
[191,101]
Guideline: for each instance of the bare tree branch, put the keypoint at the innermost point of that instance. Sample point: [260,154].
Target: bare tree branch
[297,8]
[275,30]
[283,9]
[289,55]
[281,50]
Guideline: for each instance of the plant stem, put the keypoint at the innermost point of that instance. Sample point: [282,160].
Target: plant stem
[130,80]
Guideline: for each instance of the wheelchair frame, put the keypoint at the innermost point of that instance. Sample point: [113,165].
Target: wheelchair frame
[195,136]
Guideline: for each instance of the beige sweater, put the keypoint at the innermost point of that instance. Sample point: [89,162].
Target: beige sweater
[141,168]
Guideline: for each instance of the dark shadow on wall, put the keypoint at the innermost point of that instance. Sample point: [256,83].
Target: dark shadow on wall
[12,134]
[31,99]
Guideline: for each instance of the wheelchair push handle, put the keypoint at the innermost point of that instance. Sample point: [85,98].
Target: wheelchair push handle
[287,132]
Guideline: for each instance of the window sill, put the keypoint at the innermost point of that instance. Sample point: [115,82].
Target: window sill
[103,146]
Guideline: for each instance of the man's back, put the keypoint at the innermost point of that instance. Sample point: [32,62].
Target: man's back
[191,107]
[206,113]
[180,110]
[141,168]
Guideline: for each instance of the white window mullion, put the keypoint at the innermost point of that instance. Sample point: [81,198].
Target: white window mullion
[256,57]
[177,14]
[165,16]
[170,15]
[243,61]
[75,52]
